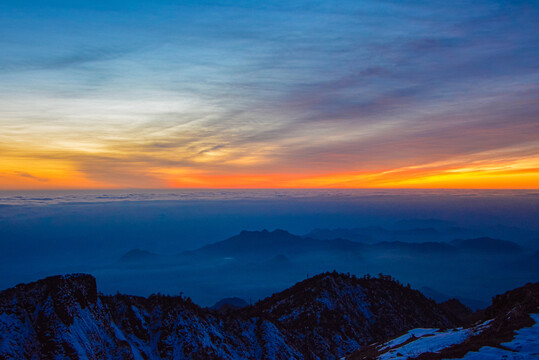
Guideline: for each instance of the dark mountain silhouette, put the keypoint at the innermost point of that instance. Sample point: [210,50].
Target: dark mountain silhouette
[441,297]
[462,314]
[137,255]
[266,244]
[420,248]
[280,245]
[228,304]
[487,245]
[369,234]
[326,316]
[378,234]
[407,231]
[338,312]
[258,263]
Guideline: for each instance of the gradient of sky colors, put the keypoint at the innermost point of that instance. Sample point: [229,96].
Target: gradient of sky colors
[156,94]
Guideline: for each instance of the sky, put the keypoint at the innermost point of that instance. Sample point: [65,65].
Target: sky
[249,94]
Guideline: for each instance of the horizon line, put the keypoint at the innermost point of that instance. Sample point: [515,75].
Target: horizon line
[263,188]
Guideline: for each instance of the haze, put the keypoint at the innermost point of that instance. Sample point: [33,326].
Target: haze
[63,232]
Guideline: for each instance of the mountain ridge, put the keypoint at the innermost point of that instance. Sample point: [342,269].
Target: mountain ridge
[331,315]
[66,317]
[247,243]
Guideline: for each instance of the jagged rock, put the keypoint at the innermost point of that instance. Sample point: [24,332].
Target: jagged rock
[326,317]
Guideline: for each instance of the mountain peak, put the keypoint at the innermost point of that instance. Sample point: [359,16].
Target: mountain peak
[77,284]
[253,243]
[336,306]
[326,316]
[227,304]
[58,296]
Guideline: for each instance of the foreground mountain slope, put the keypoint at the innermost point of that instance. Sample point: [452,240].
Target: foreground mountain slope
[336,313]
[328,316]
[508,329]
[64,317]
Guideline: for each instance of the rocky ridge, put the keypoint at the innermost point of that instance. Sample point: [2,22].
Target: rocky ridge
[327,316]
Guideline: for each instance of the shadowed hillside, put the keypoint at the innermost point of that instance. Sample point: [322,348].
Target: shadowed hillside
[326,316]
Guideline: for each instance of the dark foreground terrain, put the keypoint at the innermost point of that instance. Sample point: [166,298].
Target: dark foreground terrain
[328,316]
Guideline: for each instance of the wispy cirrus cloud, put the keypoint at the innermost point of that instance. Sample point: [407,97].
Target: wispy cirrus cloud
[219,89]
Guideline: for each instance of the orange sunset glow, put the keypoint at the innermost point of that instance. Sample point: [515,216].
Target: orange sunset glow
[240,179]
[327,102]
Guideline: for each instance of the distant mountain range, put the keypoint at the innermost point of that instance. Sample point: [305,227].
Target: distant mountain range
[441,297]
[373,234]
[463,268]
[486,244]
[427,230]
[229,304]
[328,316]
[265,243]
[256,245]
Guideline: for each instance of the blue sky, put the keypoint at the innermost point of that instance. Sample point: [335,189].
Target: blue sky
[163,93]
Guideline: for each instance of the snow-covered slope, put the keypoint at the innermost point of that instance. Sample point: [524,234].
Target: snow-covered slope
[419,341]
[424,342]
[525,345]
[512,332]
[329,316]
[325,317]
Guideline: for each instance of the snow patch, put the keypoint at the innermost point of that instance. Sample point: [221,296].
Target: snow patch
[525,345]
[426,340]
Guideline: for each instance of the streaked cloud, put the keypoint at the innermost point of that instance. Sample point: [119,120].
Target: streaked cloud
[30,176]
[219,94]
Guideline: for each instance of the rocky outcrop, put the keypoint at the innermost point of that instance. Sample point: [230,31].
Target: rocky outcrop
[326,316]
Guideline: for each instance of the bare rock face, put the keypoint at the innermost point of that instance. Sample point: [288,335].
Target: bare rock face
[327,316]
